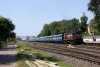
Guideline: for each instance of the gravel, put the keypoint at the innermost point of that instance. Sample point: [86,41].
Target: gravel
[72,61]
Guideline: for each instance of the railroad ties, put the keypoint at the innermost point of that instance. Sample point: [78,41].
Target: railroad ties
[93,43]
[79,52]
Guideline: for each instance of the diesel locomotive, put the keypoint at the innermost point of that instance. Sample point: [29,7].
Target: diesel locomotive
[74,37]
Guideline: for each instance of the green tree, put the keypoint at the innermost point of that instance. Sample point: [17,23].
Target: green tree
[94,6]
[59,27]
[92,27]
[64,26]
[71,25]
[74,24]
[12,34]
[83,24]
[42,33]
[6,27]
[55,27]
[46,30]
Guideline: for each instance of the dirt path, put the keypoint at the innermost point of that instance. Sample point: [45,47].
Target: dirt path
[8,56]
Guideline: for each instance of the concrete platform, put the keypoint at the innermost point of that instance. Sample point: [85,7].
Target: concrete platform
[8,56]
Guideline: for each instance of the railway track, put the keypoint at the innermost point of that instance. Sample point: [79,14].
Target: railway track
[88,46]
[94,49]
[90,49]
[77,47]
[75,53]
[93,44]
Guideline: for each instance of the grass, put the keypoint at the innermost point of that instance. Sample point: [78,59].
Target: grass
[10,43]
[2,44]
[85,34]
[22,56]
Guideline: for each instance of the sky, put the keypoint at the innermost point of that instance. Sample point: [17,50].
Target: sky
[29,16]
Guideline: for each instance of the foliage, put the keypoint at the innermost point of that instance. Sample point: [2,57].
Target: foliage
[83,24]
[98,24]
[6,26]
[85,34]
[2,44]
[22,56]
[59,27]
[94,6]
[93,27]
[45,31]
[55,27]
[12,34]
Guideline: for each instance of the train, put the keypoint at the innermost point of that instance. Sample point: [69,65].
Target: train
[91,40]
[74,37]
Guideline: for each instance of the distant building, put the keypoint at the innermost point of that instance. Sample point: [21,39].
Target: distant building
[24,37]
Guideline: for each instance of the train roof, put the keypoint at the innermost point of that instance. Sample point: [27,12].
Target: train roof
[91,37]
[53,35]
[57,35]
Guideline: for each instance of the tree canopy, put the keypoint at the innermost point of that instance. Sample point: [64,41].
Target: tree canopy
[83,24]
[58,27]
[6,28]
[94,7]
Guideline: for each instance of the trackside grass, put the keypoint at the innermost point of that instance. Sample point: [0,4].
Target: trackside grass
[23,55]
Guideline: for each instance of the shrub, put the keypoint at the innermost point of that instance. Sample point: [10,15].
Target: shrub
[2,44]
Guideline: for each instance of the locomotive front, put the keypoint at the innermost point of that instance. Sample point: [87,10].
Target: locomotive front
[77,35]
[74,37]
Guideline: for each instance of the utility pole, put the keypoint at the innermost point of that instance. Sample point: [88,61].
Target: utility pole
[9,35]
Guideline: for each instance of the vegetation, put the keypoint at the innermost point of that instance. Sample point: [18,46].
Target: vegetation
[93,27]
[58,27]
[85,34]
[6,26]
[22,56]
[2,44]
[83,24]
[94,7]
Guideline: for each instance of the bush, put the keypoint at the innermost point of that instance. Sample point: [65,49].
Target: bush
[85,34]
[2,44]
